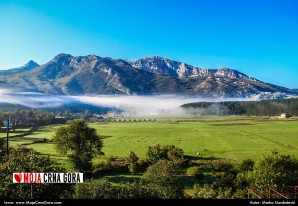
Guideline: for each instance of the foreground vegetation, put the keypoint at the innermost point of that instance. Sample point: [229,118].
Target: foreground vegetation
[207,157]
[160,179]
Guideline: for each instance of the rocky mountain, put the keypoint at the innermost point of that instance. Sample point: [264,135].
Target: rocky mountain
[160,65]
[93,75]
[223,82]
[30,65]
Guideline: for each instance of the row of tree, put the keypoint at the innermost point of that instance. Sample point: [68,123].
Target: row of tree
[251,108]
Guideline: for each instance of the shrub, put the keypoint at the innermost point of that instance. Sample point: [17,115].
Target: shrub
[195,171]
[155,153]
[208,192]
[192,171]
[136,190]
[143,163]
[102,167]
[275,170]
[161,178]
[131,159]
[91,189]
[168,152]
[132,162]
[42,140]
[247,165]
[102,189]
[133,168]
[222,165]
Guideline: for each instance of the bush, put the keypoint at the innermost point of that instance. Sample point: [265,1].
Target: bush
[136,190]
[162,171]
[91,189]
[143,163]
[192,171]
[168,152]
[132,162]
[222,165]
[131,159]
[102,167]
[133,168]
[175,154]
[247,165]
[275,170]
[161,178]
[226,180]
[102,189]
[208,192]
[155,153]
[42,140]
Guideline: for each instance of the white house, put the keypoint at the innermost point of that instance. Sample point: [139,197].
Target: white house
[284,115]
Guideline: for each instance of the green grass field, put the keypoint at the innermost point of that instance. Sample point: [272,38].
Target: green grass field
[234,138]
[231,138]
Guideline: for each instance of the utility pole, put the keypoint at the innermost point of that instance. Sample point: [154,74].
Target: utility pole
[7,136]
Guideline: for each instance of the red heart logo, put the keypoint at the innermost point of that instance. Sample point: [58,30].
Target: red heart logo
[18,177]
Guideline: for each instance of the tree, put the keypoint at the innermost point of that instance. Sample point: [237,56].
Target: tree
[157,152]
[22,159]
[131,161]
[175,154]
[79,142]
[275,170]
[161,178]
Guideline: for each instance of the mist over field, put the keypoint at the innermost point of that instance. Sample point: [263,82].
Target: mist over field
[150,105]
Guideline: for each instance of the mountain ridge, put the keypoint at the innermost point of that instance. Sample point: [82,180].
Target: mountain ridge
[178,69]
[94,75]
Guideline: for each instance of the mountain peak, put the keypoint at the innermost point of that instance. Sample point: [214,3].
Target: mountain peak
[28,66]
[154,57]
[31,64]
[61,57]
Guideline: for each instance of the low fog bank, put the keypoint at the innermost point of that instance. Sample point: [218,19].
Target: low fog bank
[154,105]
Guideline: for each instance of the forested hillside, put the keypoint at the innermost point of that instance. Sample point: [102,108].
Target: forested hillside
[256,108]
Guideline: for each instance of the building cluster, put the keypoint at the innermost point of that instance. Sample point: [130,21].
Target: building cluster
[107,117]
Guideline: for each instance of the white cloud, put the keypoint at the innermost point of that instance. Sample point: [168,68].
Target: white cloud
[136,105]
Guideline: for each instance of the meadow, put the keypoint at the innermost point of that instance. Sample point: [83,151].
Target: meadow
[233,138]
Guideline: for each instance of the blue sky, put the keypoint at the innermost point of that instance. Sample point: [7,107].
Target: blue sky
[256,37]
